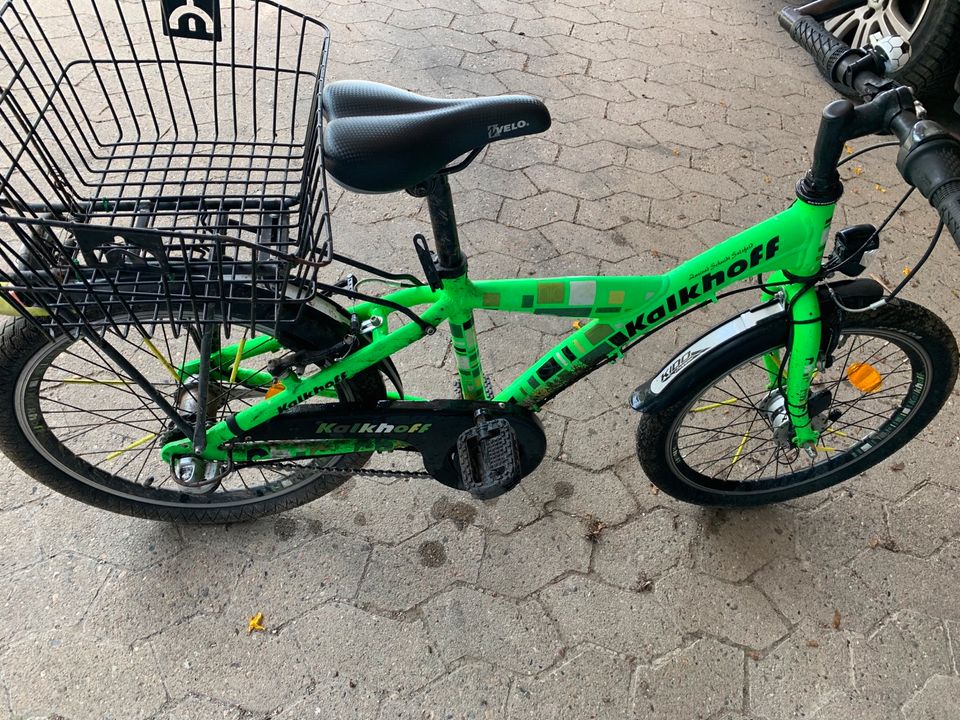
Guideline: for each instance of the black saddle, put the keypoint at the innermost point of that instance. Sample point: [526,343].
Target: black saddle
[380,139]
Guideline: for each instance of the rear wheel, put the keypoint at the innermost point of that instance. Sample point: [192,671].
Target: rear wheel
[73,420]
[725,442]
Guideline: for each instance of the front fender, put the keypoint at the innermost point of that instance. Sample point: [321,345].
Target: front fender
[691,365]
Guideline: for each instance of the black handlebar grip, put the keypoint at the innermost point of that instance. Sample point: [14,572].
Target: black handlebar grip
[947,201]
[809,34]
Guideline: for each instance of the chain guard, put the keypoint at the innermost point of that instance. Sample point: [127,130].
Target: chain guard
[430,428]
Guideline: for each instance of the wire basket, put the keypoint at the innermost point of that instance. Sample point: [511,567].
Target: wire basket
[160,159]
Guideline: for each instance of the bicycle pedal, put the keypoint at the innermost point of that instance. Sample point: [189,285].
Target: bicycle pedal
[489,458]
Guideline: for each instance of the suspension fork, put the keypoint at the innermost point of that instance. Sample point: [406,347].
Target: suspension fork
[803,351]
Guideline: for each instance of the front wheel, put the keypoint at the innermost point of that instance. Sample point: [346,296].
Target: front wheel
[725,442]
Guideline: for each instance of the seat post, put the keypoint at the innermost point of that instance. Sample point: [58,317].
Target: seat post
[436,189]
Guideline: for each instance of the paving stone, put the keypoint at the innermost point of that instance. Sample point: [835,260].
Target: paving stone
[504,514]
[381,513]
[517,154]
[927,586]
[557,65]
[644,548]
[601,442]
[939,699]
[800,675]
[854,707]
[737,613]
[134,604]
[492,62]
[737,543]
[634,112]
[803,591]
[325,568]
[634,623]
[51,595]
[695,682]
[592,156]
[198,708]
[332,694]
[894,663]
[603,679]
[940,509]
[566,236]
[484,235]
[515,635]
[639,182]
[537,211]
[401,576]
[216,657]
[53,678]
[62,524]
[349,637]
[697,181]
[582,185]
[838,530]
[613,211]
[417,19]
[474,691]
[22,549]
[685,210]
[21,490]
[482,23]
[525,560]
[591,496]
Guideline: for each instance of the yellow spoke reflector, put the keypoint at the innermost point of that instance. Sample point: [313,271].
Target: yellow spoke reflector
[864,377]
[841,433]
[163,361]
[236,360]
[743,442]
[274,389]
[714,406]
[83,381]
[132,446]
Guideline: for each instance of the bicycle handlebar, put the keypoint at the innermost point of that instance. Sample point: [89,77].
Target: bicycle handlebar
[929,156]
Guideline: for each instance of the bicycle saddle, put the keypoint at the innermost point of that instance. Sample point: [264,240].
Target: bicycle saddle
[380,139]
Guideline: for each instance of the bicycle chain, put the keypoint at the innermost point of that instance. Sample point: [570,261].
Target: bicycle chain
[367,472]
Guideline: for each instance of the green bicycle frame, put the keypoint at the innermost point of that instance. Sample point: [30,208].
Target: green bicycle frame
[787,247]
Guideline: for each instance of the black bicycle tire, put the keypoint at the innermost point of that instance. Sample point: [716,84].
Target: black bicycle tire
[934,62]
[20,342]
[655,436]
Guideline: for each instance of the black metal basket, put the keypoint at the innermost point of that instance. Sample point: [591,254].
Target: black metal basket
[160,160]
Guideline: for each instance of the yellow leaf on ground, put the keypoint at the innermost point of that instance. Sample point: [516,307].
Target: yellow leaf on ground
[255,623]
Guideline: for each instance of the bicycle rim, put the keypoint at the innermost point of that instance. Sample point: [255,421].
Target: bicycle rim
[726,439]
[91,421]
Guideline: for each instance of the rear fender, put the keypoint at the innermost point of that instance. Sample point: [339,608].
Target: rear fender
[691,366]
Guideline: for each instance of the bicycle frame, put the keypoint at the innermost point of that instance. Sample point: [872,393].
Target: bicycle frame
[621,310]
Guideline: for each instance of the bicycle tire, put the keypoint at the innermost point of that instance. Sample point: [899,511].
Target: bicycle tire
[60,469]
[922,337]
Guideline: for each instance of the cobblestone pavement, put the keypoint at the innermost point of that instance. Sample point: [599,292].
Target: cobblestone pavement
[676,123]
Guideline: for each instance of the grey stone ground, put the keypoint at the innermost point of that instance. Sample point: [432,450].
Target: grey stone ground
[676,123]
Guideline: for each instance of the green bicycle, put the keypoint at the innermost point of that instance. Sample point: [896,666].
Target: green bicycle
[177,355]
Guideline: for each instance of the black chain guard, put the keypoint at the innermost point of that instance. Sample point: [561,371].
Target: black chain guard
[431,428]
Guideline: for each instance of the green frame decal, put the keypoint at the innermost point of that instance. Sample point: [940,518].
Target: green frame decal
[619,311]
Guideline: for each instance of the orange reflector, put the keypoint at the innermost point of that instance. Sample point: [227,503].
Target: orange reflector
[275,389]
[864,377]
